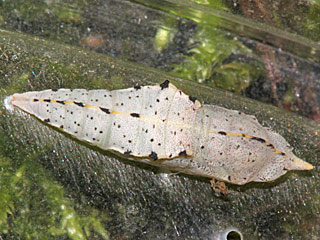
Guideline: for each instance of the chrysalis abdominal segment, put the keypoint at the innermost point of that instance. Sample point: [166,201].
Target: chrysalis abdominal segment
[162,126]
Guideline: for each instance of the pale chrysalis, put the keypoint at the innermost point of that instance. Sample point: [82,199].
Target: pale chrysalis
[160,125]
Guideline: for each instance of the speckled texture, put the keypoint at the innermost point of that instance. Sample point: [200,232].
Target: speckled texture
[162,126]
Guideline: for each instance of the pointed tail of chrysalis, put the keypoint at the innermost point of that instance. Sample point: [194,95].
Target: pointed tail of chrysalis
[298,164]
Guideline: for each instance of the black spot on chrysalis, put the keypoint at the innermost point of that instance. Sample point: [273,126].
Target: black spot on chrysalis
[270,145]
[222,133]
[259,139]
[106,110]
[35,99]
[165,84]
[137,87]
[192,99]
[153,156]
[54,90]
[137,115]
[80,104]
[183,153]
[46,120]
[61,102]
[127,152]
[46,100]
